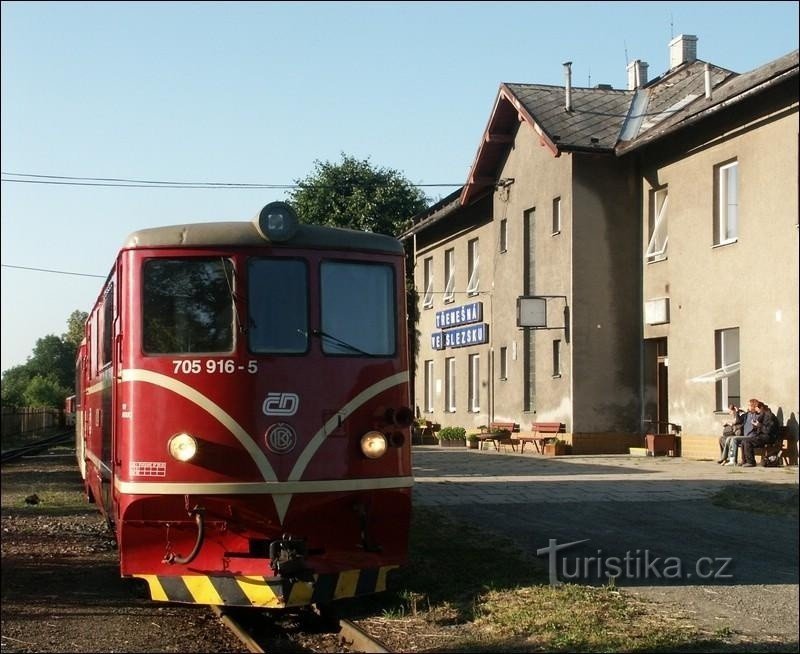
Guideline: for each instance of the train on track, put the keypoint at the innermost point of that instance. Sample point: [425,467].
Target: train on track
[243,415]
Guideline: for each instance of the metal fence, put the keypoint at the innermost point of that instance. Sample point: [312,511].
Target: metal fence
[19,421]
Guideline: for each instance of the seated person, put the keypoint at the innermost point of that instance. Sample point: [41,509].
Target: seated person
[730,429]
[766,433]
[748,430]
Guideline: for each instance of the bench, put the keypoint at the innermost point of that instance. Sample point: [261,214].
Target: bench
[543,432]
[498,433]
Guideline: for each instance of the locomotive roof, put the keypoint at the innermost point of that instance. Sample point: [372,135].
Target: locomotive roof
[242,234]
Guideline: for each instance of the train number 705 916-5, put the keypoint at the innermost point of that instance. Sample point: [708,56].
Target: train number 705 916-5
[212,366]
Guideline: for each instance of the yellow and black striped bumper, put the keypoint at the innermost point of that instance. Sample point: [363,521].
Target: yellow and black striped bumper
[266,592]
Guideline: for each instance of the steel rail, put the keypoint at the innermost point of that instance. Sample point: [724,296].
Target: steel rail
[36,446]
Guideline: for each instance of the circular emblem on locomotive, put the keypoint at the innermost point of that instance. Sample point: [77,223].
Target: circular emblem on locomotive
[280,438]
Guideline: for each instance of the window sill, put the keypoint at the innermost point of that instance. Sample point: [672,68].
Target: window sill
[449,300]
[558,376]
[656,260]
[556,233]
[724,243]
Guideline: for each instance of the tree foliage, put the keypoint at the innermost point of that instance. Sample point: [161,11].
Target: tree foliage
[355,194]
[48,376]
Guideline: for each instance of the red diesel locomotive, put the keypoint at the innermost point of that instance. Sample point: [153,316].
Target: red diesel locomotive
[243,411]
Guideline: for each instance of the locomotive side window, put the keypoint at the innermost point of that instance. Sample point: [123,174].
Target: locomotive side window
[108,322]
[278,305]
[187,306]
[358,308]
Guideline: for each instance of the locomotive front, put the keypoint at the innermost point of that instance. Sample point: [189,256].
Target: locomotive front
[261,446]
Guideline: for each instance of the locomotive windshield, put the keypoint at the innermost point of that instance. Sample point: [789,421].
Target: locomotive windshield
[187,306]
[358,308]
[278,305]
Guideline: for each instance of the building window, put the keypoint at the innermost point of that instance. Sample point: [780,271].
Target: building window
[450,384]
[427,300]
[556,215]
[473,260]
[429,386]
[503,235]
[449,274]
[726,203]
[474,383]
[657,247]
[726,354]
[503,363]
[557,358]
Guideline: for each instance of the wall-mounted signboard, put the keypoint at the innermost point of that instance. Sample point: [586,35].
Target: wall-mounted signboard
[461,336]
[457,316]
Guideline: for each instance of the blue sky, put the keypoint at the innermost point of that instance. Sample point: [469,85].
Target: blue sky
[256,92]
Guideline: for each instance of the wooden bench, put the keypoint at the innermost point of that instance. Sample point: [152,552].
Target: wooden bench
[493,433]
[543,432]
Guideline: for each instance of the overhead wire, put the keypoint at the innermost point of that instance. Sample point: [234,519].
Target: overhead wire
[67,180]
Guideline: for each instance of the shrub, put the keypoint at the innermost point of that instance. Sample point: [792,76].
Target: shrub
[452,434]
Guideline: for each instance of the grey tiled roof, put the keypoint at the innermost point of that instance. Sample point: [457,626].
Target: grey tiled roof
[594,123]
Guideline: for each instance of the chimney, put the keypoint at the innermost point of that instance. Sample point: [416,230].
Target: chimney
[707,79]
[682,50]
[637,74]
[568,75]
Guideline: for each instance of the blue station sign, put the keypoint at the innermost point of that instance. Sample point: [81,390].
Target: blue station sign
[461,336]
[457,316]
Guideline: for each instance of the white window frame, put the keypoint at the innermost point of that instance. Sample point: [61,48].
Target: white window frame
[450,385]
[474,267]
[450,274]
[659,237]
[474,383]
[429,386]
[427,267]
[503,236]
[503,363]
[726,227]
[556,215]
[726,355]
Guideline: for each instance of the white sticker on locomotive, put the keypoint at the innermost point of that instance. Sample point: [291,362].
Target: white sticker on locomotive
[280,438]
[281,404]
[148,469]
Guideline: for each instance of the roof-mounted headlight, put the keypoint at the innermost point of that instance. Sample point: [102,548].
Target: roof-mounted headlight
[373,444]
[277,222]
[182,447]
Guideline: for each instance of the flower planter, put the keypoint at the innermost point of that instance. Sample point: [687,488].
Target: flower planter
[457,442]
[661,444]
[555,449]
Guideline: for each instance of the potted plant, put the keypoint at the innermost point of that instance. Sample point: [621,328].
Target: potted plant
[452,437]
[556,447]
[473,441]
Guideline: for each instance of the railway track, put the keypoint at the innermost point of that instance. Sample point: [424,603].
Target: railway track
[37,446]
[260,632]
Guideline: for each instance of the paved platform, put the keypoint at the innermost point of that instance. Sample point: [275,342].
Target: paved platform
[648,521]
[462,476]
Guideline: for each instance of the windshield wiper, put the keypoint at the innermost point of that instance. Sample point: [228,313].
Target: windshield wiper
[321,334]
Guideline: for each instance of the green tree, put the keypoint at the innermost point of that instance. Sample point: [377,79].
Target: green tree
[75,328]
[15,380]
[53,357]
[45,391]
[357,195]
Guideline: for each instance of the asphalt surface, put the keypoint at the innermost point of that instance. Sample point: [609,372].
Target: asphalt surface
[647,521]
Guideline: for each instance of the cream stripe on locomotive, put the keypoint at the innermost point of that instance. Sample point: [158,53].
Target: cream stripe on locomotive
[191,394]
[261,487]
[343,413]
[266,592]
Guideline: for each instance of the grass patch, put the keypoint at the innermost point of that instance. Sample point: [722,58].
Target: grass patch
[59,491]
[490,596]
[772,499]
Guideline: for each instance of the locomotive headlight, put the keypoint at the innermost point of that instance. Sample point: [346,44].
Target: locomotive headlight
[373,444]
[182,447]
[277,222]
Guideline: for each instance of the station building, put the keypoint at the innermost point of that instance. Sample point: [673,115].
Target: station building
[623,261]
